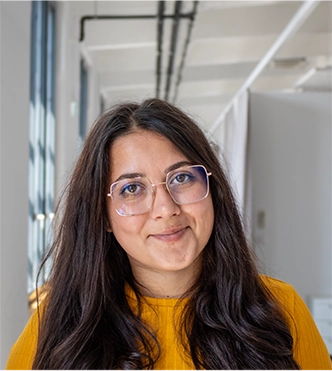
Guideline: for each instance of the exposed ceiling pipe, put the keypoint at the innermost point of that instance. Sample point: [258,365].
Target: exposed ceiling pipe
[185,49]
[124,17]
[174,37]
[172,50]
[160,32]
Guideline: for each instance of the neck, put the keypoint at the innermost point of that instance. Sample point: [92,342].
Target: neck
[161,284]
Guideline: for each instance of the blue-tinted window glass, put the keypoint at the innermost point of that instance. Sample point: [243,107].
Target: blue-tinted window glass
[42,137]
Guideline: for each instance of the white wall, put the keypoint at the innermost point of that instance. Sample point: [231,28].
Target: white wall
[15,72]
[290,138]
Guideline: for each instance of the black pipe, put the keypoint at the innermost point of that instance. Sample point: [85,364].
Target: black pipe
[185,49]
[160,31]
[172,50]
[124,17]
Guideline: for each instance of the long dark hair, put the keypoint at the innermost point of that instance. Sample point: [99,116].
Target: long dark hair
[230,320]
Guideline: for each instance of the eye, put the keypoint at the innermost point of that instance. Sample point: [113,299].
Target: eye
[181,178]
[132,189]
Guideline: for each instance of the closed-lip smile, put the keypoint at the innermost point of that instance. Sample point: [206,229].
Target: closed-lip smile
[170,235]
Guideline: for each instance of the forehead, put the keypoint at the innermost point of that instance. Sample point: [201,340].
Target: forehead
[144,152]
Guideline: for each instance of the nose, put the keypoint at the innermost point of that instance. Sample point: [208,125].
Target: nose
[163,204]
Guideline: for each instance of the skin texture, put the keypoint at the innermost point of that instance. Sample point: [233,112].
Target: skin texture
[164,245]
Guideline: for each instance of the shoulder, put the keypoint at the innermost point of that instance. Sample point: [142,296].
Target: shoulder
[282,291]
[289,301]
[275,284]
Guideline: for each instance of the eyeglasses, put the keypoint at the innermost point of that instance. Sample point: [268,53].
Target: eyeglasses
[135,196]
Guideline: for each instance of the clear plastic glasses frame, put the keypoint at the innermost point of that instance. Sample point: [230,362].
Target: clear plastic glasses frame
[135,196]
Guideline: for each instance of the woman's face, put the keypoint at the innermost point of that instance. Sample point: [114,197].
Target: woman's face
[169,237]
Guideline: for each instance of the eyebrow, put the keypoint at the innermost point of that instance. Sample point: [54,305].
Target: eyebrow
[129,176]
[175,166]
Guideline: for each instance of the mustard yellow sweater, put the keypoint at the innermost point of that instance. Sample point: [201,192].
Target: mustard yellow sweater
[309,349]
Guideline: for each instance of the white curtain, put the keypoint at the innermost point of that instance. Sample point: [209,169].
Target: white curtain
[234,154]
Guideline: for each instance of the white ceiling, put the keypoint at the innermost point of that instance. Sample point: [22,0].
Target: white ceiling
[228,39]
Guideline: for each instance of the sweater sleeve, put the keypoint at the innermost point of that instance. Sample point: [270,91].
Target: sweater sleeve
[23,351]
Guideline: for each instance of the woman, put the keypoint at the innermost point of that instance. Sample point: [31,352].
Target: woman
[151,268]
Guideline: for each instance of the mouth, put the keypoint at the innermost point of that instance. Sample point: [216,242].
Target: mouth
[172,235]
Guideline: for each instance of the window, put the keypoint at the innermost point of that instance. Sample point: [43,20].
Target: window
[42,137]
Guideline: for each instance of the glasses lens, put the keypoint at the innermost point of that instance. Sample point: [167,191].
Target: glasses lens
[132,196]
[188,185]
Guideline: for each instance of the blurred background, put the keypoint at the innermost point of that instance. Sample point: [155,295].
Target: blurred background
[255,75]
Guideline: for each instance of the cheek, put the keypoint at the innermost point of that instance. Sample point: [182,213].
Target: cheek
[126,229]
[206,220]
[202,214]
